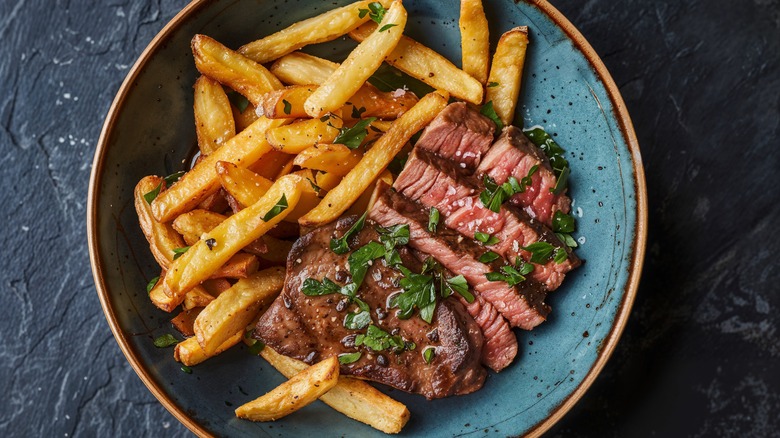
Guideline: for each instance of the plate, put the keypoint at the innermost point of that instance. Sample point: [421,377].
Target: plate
[566,89]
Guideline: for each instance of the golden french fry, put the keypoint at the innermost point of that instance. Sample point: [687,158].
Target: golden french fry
[195,223]
[189,352]
[167,304]
[331,158]
[319,29]
[286,103]
[375,161]
[214,122]
[162,237]
[215,286]
[285,170]
[298,136]
[328,181]
[184,321]
[240,265]
[474,39]
[244,118]
[309,199]
[196,297]
[352,397]
[300,68]
[367,198]
[235,308]
[220,244]
[301,390]
[203,180]
[243,184]
[270,164]
[507,73]
[232,69]
[361,63]
[428,66]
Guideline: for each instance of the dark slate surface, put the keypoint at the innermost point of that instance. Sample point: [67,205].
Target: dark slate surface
[701,354]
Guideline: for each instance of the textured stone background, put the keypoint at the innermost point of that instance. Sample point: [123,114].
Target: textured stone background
[701,354]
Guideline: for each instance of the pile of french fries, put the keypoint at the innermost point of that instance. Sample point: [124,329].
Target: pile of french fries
[274,167]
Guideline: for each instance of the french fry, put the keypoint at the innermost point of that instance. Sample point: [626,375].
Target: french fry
[361,63]
[241,150]
[301,390]
[243,184]
[507,73]
[189,352]
[214,122]
[319,29]
[244,118]
[310,197]
[300,68]
[167,304]
[328,181]
[241,265]
[220,244]
[270,164]
[428,66]
[195,223]
[162,238]
[286,103]
[232,69]
[367,198]
[196,297]
[235,308]
[296,137]
[183,322]
[331,158]
[215,286]
[374,161]
[352,397]
[474,39]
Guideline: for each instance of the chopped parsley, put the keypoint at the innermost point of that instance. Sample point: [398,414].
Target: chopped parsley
[428,354]
[174,177]
[177,252]
[354,136]
[340,246]
[488,111]
[375,11]
[348,358]
[419,292]
[379,340]
[186,369]
[485,238]
[280,206]
[151,195]
[396,235]
[361,259]
[492,84]
[238,101]
[458,284]
[563,225]
[152,283]
[387,27]
[256,347]
[166,340]
[314,288]
[540,251]
[555,153]
[488,257]
[495,195]
[287,106]
[357,321]
[560,256]
[433,219]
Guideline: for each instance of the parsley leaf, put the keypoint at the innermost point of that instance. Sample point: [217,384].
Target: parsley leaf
[357,321]
[562,222]
[389,79]
[314,288]
[459,285]
[177,252]
[492,84]
[567,239]
[174,177]
[375,11]
[280,206]
[485,238]
[151,195]
[238,101]
[348,358]
[488,257]
[361,258]
[433,219]
[560,256]
[386,27]
[420,292]
[256,348]
[186,369]
[352,137]
[554,152]
[379,340]
[165,340]
[396,235]
[428,354]
[340,246]
[540,252]
[488,111]
[152,283]
[493,196]
[287,106]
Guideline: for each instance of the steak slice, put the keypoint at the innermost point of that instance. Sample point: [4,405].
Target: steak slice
[459,133]
[311,328]
[513,154]
[522,305]
[435,182]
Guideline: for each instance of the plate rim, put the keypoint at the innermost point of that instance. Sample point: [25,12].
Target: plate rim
[620,113]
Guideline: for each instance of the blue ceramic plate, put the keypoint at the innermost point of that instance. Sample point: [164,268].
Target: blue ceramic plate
[566,89]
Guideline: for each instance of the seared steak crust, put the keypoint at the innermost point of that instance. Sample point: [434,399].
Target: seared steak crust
[458,133]
[310,328]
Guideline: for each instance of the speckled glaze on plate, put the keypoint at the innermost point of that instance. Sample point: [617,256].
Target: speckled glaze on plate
[566,89]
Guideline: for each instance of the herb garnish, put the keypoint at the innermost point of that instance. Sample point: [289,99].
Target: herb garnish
[396,235]
[563,225]
[375,11]
[186,369]
[361,259]
[560,256]
[390,79]
[177,252]
[419,291]
[492,84]
[457,284]
[173,178]
[540,251]
[488,257]
[359,320]
[287,106]
[280,206]
[256,347]
[165,340]
[433,219]
[495,195]
[314,186]
[485,238]
[348,358]
[152,283]
[379,340]
[428,354]
[238,101]
[340,246]
[151,195]
[314,288]
[387,26]
[555,153]
[488,111]
[354,136]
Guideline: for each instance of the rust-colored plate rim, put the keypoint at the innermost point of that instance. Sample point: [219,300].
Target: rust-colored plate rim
[610,341]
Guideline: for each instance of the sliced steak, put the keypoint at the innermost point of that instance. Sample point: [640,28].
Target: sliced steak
[513,154]
[310,328]
[435,182]
[459,133]
[522,305]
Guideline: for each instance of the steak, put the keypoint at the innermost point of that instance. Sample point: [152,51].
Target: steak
[513,154]
[458,133]
[311,328]
[435,182]
[522,305]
